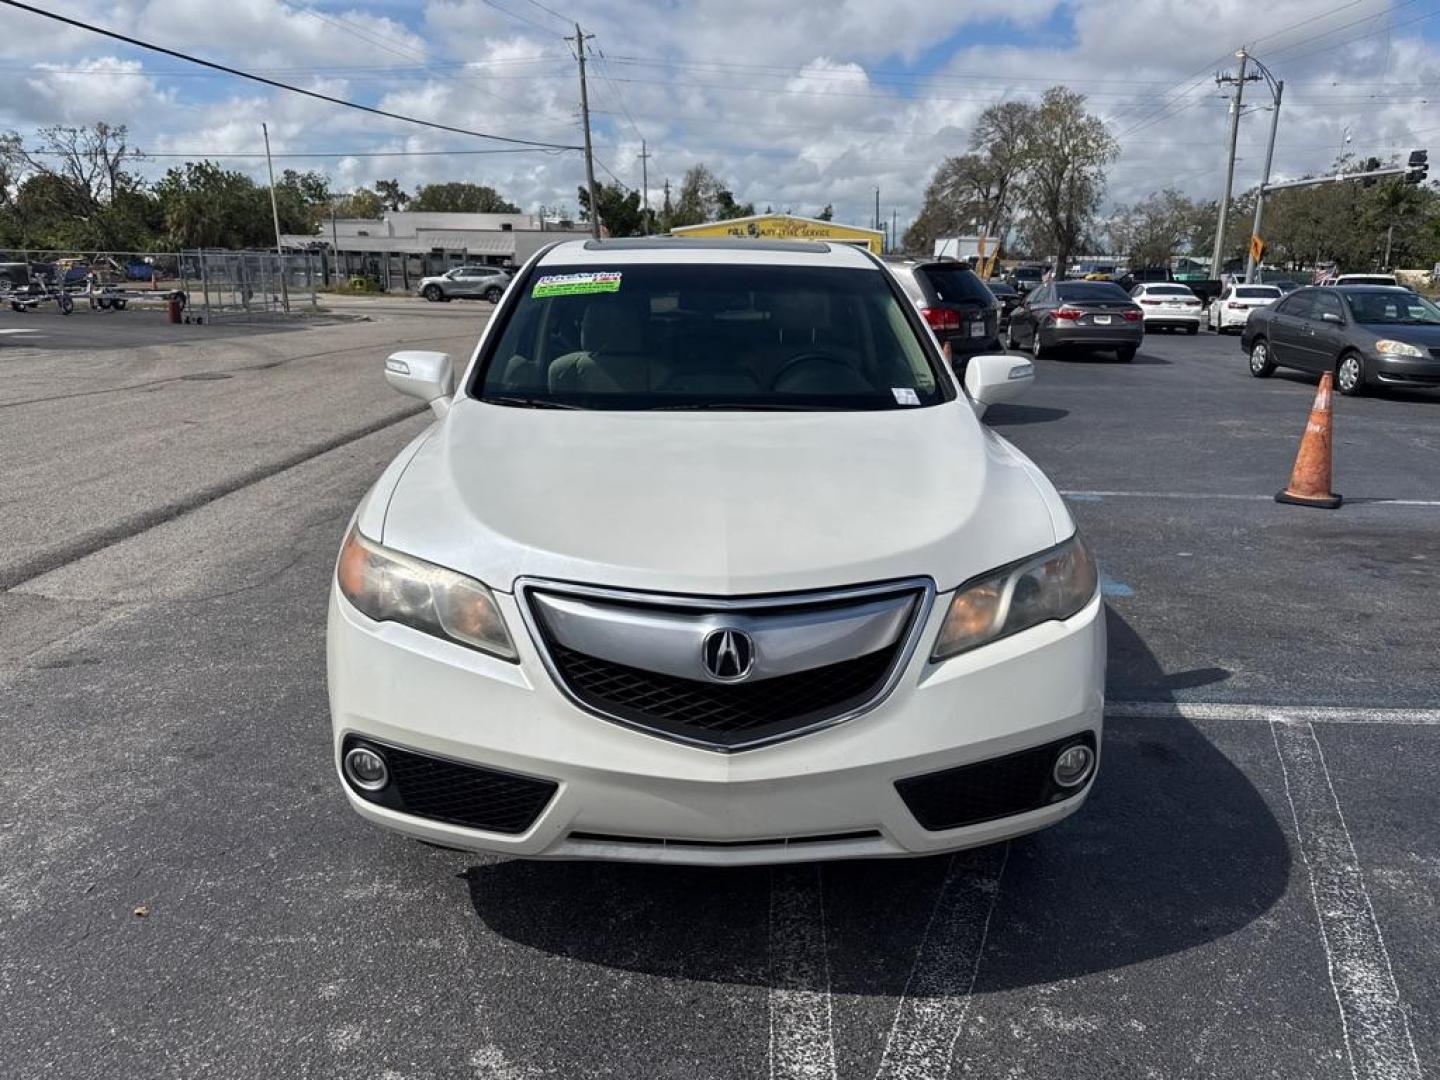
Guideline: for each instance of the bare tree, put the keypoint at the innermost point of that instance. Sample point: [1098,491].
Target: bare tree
[1065,173]
[1002,138]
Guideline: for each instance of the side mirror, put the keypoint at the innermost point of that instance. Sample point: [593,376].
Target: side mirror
[1330,317]
[994,379]
[428,376]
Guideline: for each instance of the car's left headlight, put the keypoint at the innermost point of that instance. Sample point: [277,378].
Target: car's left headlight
[1052,585]
[1386,347]
[391,587]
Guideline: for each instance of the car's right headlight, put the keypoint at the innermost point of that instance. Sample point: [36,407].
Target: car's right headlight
[1052,585]
[391,587]
[1387,347]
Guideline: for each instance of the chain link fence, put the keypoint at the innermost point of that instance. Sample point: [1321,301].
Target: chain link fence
[213,285]
[250,285]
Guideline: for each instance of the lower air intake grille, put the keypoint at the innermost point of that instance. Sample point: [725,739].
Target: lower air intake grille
[457,794]
[987,790]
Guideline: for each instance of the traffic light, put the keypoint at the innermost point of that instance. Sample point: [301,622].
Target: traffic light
[1419,165]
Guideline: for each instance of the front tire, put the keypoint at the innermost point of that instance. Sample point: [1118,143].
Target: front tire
[492,296]
[1036,349]
[432,293]
[1261,366]
[1350,375]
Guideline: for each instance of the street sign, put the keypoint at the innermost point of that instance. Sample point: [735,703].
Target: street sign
[1257,248]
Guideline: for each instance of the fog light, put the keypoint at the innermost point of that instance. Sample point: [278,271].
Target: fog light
[1073,766]
[365,768]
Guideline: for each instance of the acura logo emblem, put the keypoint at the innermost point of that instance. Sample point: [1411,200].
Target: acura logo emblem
[727,655]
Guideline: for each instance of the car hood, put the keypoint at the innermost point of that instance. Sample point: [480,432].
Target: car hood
[720,503]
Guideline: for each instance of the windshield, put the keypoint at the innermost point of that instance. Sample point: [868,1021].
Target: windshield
[1091,290]
[956,284]
[1397,308]
[1033,273]
[719,336]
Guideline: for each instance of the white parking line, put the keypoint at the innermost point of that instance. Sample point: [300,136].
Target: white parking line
[1189,496]
[932,1012]
[1319,714]
[802,1038]
[1372,1016]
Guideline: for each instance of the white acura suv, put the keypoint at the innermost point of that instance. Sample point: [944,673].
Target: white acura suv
[708,558]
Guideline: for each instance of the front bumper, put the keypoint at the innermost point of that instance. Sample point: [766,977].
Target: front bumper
[624,794]
[1417,371]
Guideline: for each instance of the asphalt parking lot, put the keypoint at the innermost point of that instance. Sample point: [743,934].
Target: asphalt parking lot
[1253,890]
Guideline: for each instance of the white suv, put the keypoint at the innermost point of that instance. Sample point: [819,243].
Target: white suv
[709,559]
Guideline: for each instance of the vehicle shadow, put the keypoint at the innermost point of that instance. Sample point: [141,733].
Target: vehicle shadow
[1076,354]
[1004,415]
[1174,849]
[1417,395]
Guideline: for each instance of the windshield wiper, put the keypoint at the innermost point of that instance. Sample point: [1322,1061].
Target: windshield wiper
[527,403]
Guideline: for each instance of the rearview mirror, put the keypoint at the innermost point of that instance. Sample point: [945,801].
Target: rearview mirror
[994,379]
[428,376]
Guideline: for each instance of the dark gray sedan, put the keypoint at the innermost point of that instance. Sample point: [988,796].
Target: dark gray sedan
[1092,314]
[1369,336]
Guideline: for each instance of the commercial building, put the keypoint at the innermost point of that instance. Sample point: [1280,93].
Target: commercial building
[788,227]
[404,246]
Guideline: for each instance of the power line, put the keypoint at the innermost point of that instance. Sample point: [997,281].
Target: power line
[566,19]
[521,18]
[275,83]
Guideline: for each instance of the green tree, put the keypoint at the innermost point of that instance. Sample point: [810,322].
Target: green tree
[74,190]
[704,197]
[360,203]
[208,206]
[1161,225]
[461,197]
[620,211]
[392,195]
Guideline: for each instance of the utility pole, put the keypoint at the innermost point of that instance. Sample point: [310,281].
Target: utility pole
[1239,82]
[580,38]
[645,187]
[894,243]
[877,208]
[1277,91]
[275,213]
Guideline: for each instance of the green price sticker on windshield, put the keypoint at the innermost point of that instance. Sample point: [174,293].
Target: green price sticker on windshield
[606,281]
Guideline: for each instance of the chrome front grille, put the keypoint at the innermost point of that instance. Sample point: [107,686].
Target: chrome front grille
[639,659]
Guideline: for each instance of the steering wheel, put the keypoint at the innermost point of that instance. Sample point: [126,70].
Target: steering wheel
[815,356]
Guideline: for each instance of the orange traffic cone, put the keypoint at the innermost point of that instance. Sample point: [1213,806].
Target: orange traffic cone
[1310,481]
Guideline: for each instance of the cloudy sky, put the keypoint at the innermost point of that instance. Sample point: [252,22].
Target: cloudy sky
[795,104]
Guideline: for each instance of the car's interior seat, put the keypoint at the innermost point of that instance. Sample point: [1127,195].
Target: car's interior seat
[613,357]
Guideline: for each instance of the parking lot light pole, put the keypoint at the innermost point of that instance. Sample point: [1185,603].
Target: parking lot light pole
[1277,91]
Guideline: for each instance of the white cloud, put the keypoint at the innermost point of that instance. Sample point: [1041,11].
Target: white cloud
[795,105]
